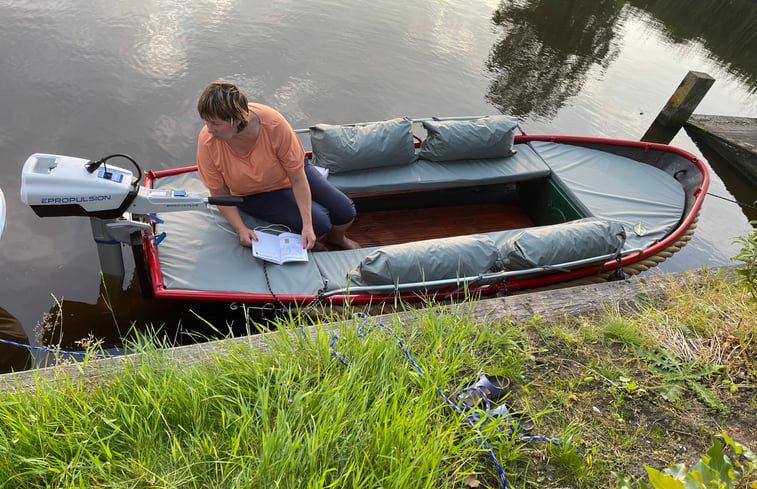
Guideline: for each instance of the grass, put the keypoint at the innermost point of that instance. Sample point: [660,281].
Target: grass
[620,389]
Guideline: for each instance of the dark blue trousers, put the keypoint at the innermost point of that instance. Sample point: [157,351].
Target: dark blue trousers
[330,207]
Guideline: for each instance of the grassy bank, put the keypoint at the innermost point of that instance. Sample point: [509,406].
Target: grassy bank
[619,390]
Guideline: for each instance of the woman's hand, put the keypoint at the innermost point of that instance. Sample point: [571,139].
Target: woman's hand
[301,191]
[232,216]
[308,238]
[246,237]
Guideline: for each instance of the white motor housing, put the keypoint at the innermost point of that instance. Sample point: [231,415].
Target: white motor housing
[2,212]
[55,185]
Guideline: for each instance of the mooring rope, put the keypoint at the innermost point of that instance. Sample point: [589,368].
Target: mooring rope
[53,350]
[474,422]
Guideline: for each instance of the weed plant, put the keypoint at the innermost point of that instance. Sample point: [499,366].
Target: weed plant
[748,256]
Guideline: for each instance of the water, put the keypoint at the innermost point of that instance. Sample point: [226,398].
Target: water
[88,79]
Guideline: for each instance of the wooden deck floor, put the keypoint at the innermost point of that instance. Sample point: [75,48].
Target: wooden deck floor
[381,228]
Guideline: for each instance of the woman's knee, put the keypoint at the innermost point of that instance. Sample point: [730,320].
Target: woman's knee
[344,213]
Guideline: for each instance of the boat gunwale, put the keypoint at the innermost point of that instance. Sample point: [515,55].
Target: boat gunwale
[160,291]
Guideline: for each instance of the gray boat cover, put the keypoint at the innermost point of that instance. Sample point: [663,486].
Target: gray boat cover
[648,201]
[201,252]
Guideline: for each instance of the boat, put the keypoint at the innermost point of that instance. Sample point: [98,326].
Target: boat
[447,208]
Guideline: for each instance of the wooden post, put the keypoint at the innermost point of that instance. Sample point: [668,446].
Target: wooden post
[681,105]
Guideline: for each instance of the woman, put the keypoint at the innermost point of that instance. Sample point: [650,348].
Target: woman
[250,150]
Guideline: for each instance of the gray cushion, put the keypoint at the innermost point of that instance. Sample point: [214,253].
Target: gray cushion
[562,243]
[353,147]
[487,137]
[424,174]
[428,260]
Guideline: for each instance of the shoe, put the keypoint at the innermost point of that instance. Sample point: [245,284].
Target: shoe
[488,388]
[518,423]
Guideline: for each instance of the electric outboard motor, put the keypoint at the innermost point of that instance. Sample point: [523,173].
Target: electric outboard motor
[2,212]
[56,185]
[118,207]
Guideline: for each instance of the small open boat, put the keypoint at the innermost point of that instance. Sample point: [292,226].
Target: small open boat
[541,211]
[469,206]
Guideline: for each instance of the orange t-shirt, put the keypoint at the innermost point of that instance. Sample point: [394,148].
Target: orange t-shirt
[277,154]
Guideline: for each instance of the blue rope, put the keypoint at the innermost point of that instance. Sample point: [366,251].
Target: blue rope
[50,350]
[474,422]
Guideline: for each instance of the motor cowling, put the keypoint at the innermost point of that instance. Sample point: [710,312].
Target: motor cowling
[56,185]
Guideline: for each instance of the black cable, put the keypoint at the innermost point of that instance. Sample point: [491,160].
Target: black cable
[94,165]
[751,206]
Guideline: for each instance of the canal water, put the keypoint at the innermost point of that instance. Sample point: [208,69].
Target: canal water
[89,79]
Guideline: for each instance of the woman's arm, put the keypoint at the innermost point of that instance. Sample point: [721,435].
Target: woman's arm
[301,190]
[231,214]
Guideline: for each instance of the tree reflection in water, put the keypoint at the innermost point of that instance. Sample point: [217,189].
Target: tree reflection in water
[547,50]
[725,29]
[548,47]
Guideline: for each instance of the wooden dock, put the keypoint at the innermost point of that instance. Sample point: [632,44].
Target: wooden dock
[734,138]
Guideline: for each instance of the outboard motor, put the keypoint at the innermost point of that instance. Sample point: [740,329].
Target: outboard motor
[118,207]
[2,212]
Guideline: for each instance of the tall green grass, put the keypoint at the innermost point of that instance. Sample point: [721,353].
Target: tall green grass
[295,417]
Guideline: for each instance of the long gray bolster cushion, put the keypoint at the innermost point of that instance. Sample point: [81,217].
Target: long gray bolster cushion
[428,260]
[487,137]
[343,148]
[562,243]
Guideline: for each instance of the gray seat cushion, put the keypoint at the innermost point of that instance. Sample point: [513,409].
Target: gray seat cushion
[525,164]
[487,137]
[345,148]
[562,243]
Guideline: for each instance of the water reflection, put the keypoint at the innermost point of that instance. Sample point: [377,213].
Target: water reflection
[125,315]
[549,47]
[741,188]
[92,78]
[12,355]
[547,50]
[732,40]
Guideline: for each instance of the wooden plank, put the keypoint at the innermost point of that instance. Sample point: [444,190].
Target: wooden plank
[679,108]
[734,138]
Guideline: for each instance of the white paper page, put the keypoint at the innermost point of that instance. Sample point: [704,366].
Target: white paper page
[291,247]
[267,247]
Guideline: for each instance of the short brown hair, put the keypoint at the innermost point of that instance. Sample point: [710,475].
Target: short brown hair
[222,100]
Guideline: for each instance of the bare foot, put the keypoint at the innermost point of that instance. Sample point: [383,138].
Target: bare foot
[318,246]
[346,244]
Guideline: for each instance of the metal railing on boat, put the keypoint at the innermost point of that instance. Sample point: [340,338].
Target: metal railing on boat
[481,279]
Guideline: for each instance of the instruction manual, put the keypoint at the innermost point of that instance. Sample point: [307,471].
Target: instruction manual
[279,248]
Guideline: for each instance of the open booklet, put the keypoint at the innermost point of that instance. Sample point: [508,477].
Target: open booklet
[279,248]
